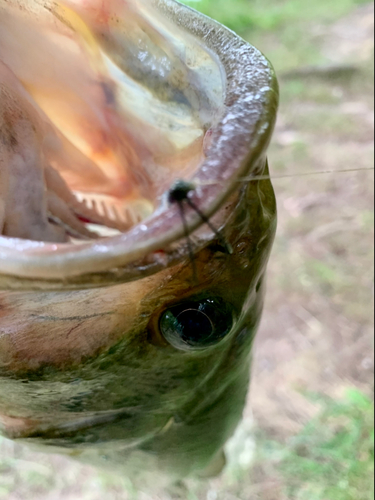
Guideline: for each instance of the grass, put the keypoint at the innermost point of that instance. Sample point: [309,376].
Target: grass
[333,457]
[245,15]
[282,29]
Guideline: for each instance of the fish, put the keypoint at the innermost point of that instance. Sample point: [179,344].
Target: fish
[127,320]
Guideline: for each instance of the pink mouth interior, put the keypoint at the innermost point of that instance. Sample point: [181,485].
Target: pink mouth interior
[104,107]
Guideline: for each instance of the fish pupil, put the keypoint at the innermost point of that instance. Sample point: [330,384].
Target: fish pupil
[194,325]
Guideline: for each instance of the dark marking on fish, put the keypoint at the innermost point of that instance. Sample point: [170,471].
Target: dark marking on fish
[73,329]
[73,318]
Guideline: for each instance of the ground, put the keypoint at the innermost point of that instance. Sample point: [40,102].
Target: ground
[311,405]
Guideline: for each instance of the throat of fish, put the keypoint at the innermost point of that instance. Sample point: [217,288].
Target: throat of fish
[105,120]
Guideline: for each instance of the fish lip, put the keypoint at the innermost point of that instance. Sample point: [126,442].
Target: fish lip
[239,144]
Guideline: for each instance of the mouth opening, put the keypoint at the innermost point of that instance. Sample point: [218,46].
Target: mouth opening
[108,103]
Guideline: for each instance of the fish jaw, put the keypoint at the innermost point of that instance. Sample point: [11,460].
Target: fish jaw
[241,129]
[118,393]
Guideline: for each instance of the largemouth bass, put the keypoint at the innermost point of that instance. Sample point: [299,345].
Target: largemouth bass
[112,350]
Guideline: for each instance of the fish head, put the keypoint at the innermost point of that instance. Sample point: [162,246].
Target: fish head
[137,219]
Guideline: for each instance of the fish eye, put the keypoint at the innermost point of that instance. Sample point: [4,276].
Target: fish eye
[196,325]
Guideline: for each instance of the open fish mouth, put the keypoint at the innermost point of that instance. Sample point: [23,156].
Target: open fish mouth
[114,345]
[103,107]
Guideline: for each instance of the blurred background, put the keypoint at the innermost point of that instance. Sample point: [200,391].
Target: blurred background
[308,431]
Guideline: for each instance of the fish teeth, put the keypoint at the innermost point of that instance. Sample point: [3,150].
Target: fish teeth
[112,212]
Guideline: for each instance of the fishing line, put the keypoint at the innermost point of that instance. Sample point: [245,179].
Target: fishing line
[189,243]
[179,194]
[226,246]
[306,174]
[286,176]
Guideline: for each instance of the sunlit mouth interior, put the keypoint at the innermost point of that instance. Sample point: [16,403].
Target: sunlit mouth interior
[103,105]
